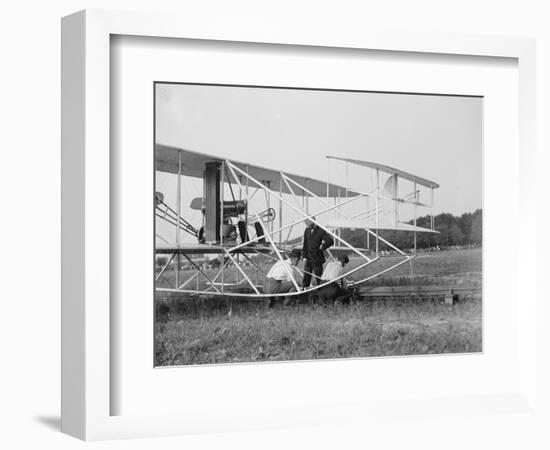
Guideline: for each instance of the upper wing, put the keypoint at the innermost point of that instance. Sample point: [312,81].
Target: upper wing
[167,160]
[391,170]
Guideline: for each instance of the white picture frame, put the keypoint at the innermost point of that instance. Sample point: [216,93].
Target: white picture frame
[86,325]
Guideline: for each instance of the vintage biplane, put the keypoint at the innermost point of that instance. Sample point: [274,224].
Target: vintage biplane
[252,216]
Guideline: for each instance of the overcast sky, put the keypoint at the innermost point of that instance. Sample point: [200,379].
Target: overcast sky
[435,137]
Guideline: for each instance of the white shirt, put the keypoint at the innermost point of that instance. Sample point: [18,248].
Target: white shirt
[278,271]
[332,271]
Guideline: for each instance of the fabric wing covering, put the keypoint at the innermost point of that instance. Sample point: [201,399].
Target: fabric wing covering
[391,170]
[167,160]
[371,225]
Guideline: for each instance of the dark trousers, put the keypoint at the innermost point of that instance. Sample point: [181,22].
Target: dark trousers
[312,267]
[273,286]
[334,292]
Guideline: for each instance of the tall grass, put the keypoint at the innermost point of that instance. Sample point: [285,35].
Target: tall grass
[313,332]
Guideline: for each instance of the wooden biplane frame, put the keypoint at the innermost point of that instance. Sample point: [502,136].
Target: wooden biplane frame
[270,241]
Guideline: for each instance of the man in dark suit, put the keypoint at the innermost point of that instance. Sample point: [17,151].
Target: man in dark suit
[316,241]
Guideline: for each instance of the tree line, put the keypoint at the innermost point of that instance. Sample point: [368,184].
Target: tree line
[464,230]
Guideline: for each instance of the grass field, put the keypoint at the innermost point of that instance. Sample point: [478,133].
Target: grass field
[202,331]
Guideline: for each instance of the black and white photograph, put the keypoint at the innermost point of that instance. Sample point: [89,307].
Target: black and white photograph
[295,224]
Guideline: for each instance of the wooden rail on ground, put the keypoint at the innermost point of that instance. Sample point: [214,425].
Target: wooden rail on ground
[450,294]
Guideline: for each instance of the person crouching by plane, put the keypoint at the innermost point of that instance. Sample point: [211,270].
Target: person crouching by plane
[315,242]
[278,279]
[335,291]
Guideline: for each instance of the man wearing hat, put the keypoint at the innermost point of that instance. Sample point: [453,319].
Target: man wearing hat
[315,242]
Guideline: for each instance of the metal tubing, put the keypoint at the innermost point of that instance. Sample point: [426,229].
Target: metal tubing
[389,244]
[377,206]
[268,202]
[415,213]
[337,205]
[186,282]
[327,202]
[165,267]
[280,210]
[162,239]
[201,272]
[330,254]
[291,224]
[254,264]
[362,193]
[238,180]
[432,206]
[407,258]
[243,273]
[284,294]
[222,189]
[178,222]
[203,216]
[338,211]
[347,177]
[219,272]
[307,198]
[294,196]
[306,216]
[396,196]
[247,201]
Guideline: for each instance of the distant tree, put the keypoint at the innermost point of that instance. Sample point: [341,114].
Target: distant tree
[456,236]
[442,239]
[476,234]
[452,230]
[465,224]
